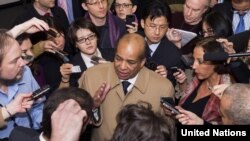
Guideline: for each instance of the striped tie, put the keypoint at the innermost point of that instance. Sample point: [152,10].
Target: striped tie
[241,25]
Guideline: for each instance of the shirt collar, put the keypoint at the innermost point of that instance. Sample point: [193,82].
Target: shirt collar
[41,137]
[87,59]
[131,80]
[153,47]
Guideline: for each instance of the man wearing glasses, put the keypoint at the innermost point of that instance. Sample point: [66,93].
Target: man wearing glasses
[160,50]
[109,27]
[124,8]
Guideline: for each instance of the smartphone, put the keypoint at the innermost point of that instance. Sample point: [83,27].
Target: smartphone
[174,69]
[40,92]
[130,19]
[168,102]
[95,59]
[62,55]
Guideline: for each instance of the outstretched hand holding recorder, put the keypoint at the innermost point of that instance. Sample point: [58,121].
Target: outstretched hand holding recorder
[168,103]
[40,92]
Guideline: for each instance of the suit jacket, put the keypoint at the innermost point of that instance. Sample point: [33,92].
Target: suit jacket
[169,55]
[78,11]
[148,87]
[30,12]
[51,67]
[20,133]
[225,9]
[77,61]
[240,41]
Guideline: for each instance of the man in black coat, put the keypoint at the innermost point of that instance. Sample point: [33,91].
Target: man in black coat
[233,10]
[161,51]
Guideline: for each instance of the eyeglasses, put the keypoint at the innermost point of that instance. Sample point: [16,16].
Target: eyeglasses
[123,5]
[209,32]
[96,2]
[89,38]
[155,27]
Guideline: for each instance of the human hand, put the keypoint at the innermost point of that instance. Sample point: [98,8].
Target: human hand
[48,46]
[180,76]
[20,103]
[132,28]
[188,117]
[174,36]
[162,70]
[34,25]
[67,121]
[100,94]
[31,26]
[66,70]
[228,47]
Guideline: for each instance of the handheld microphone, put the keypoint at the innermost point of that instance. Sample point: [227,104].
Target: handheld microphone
[222,56]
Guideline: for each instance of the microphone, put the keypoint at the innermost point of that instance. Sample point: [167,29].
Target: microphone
[222,56]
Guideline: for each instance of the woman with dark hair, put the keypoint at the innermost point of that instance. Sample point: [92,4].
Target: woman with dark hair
[50,61]
[197,95]
[214,24]
[84,36]
[137,122]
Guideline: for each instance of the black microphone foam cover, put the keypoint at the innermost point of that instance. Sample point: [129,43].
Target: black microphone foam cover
[220,56]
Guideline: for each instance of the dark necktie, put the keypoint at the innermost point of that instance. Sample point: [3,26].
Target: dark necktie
[241,25]
[150,52]
[125,85]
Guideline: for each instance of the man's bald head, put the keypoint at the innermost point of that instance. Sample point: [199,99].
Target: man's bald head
[129,56]
[134,40]
[235,106]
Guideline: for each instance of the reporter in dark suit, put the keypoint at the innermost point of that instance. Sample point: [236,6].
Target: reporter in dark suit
[84,37]
[233,10]
[160,50]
